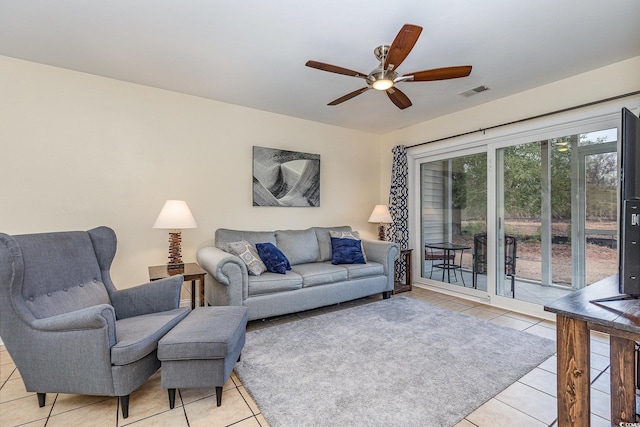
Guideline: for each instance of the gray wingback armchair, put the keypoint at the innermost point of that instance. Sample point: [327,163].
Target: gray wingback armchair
[66,326]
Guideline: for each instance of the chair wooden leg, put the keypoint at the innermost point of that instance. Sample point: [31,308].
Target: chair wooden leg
[124,403]
[219,396]
[41,399]
[172,397]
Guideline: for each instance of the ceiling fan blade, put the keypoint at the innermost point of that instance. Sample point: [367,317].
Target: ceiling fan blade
[398,97]
[402,45]
[334,69]
[440,73]
[349,96]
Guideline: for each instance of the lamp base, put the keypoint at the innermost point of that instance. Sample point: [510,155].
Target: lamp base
[381,234]
[175,256]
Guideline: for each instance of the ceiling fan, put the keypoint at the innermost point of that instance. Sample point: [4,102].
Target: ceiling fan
[385,76]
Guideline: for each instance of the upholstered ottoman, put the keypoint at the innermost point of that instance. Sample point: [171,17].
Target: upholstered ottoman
[201,351]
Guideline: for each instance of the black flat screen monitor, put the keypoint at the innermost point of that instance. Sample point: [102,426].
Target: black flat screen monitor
[629,247]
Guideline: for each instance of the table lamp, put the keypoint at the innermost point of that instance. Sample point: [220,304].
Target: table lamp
[175,215]
[381,216]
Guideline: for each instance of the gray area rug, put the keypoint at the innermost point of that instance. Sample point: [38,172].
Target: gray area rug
[396,362]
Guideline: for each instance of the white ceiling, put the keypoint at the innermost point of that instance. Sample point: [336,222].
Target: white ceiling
[252,52]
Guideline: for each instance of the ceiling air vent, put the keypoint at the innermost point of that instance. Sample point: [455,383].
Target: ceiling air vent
[470,92]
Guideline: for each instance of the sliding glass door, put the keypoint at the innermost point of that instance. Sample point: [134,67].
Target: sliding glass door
[534,210]
[557,199]
[526,220]
[453,200]
[598,194]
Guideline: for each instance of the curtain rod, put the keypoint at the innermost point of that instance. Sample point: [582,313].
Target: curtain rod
[564,110]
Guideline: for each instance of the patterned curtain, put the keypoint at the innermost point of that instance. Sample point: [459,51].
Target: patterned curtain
[398,231]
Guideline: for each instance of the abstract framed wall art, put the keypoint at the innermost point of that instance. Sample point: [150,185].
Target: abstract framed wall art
[285,178]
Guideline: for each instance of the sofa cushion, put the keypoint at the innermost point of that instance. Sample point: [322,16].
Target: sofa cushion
[299,246]
[247,253]
[320,273]
[273,258]
[324,240]
[358,271]
[138,336]
[346,251]
[268,283]
[224,236]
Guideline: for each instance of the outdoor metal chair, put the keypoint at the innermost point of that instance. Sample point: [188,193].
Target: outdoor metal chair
[480,258]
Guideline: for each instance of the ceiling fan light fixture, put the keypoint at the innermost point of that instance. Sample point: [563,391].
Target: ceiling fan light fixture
[381,79]
[382,84]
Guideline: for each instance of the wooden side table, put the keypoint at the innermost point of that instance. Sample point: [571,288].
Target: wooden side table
[405,286]
[191,271]
[577,314]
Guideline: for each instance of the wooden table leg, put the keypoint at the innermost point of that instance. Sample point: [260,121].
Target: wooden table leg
[407,271]
[202,291]
[573,344]
[193,294]
[622,380]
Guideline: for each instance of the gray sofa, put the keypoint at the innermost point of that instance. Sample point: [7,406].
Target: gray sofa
[312,282]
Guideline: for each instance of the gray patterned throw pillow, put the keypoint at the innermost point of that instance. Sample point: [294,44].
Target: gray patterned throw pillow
[247,253]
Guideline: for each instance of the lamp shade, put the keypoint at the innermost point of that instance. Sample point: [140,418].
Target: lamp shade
[381,215]
[175,214]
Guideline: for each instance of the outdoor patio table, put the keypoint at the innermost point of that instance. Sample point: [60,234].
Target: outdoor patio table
[449,261]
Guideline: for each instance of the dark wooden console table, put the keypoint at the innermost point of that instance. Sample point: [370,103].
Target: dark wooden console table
[577,315]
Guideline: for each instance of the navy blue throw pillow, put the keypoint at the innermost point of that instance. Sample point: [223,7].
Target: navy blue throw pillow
[346,251]
[273,258]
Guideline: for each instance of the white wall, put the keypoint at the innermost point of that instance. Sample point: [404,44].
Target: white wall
[79,151]
[616,79]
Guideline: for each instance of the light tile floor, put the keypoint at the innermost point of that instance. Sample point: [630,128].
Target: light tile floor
[531,401]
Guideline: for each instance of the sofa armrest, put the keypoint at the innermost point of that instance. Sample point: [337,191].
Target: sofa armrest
[152,297]
[386,253]
[228,275]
